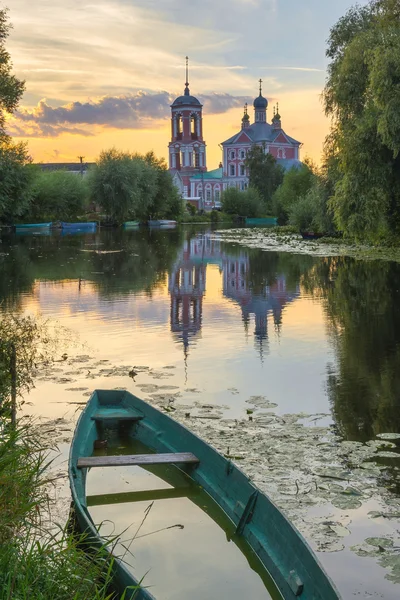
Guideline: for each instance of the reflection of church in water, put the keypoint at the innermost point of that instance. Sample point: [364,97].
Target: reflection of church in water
[187,286]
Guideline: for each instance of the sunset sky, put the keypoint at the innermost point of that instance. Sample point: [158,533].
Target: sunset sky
[104,73]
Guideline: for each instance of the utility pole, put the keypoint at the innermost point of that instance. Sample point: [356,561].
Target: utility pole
[81,161]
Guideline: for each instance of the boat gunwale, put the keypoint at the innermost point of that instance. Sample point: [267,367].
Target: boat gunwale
[288,592]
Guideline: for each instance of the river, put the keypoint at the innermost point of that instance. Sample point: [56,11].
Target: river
[288,361]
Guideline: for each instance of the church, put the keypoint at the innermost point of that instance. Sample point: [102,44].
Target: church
[187,149]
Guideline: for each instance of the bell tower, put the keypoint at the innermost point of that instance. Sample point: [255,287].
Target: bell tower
[187,149]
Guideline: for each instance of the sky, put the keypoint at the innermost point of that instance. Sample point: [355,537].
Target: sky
[104,73]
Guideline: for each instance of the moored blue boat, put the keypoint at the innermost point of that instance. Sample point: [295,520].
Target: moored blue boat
[279,547]
[89,226]
[26,226]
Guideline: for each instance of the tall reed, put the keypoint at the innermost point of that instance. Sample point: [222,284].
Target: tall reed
[38,561]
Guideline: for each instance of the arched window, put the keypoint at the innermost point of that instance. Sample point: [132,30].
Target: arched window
[232,170]
[179,126]
[193,126]
[196,158]
[242,154]
[279,152]
[232,155]
[241,170]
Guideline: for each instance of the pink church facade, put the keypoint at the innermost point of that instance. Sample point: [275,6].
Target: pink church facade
[187,150]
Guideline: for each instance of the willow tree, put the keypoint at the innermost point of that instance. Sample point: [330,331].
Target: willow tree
[14,175]
[362,96]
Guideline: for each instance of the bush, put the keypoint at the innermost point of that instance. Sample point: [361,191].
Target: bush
[301,214]
[16,174]
[310,212]
[191,209]
[296,183]
[57,196]
[244,204]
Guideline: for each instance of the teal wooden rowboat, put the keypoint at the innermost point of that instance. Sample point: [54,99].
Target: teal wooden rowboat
[23,226]
[277,544]
[261,221]
[131,224]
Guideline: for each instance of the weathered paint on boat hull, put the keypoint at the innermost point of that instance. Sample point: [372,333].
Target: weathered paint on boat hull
[131,224]
[25,226]
[275,541]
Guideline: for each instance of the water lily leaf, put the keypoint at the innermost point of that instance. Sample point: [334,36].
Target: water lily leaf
[379,541]
[333,473]
[346,502]
[387,454]
[388,436]
[340,530]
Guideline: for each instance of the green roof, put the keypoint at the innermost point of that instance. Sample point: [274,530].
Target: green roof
[214,174]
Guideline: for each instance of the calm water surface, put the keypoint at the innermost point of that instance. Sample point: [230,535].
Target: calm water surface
[312,335]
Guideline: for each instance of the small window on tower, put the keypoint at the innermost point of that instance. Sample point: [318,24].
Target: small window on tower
[193,126]
[197,159]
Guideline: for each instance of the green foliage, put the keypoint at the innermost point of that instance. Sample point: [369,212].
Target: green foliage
[36,562]
[57,195]
[16,176]
[166,201]
[296,183]
[362,97]
[11,88]
[310,212]
[265,175]
[35,341]
[191,209]
[130,186]
[244,204]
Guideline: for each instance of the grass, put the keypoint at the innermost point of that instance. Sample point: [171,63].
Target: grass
[39,561]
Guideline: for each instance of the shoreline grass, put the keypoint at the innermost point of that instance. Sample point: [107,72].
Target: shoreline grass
[40,560]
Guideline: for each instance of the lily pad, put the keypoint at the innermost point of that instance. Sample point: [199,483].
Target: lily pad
[379,541]
[387,454]
[339,530]
[388,436]
[346,502]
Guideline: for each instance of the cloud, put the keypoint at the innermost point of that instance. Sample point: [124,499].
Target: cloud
[129,111]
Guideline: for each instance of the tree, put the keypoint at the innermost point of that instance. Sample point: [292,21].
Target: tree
[166,201]
[131,186]
[57,195]
[362,97]
[244,204]
[265,174]
[11,88]
[296,183]
[16,175]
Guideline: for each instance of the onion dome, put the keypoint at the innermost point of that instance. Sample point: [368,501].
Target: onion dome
[260,102]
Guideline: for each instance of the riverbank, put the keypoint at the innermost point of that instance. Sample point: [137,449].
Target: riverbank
[285,239]
[39,558]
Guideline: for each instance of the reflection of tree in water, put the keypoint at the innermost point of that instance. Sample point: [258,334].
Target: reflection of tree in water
[362,304]
[116,263]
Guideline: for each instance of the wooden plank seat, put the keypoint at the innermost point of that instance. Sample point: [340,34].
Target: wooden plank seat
[145,495]
[125,460]
[118,414]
